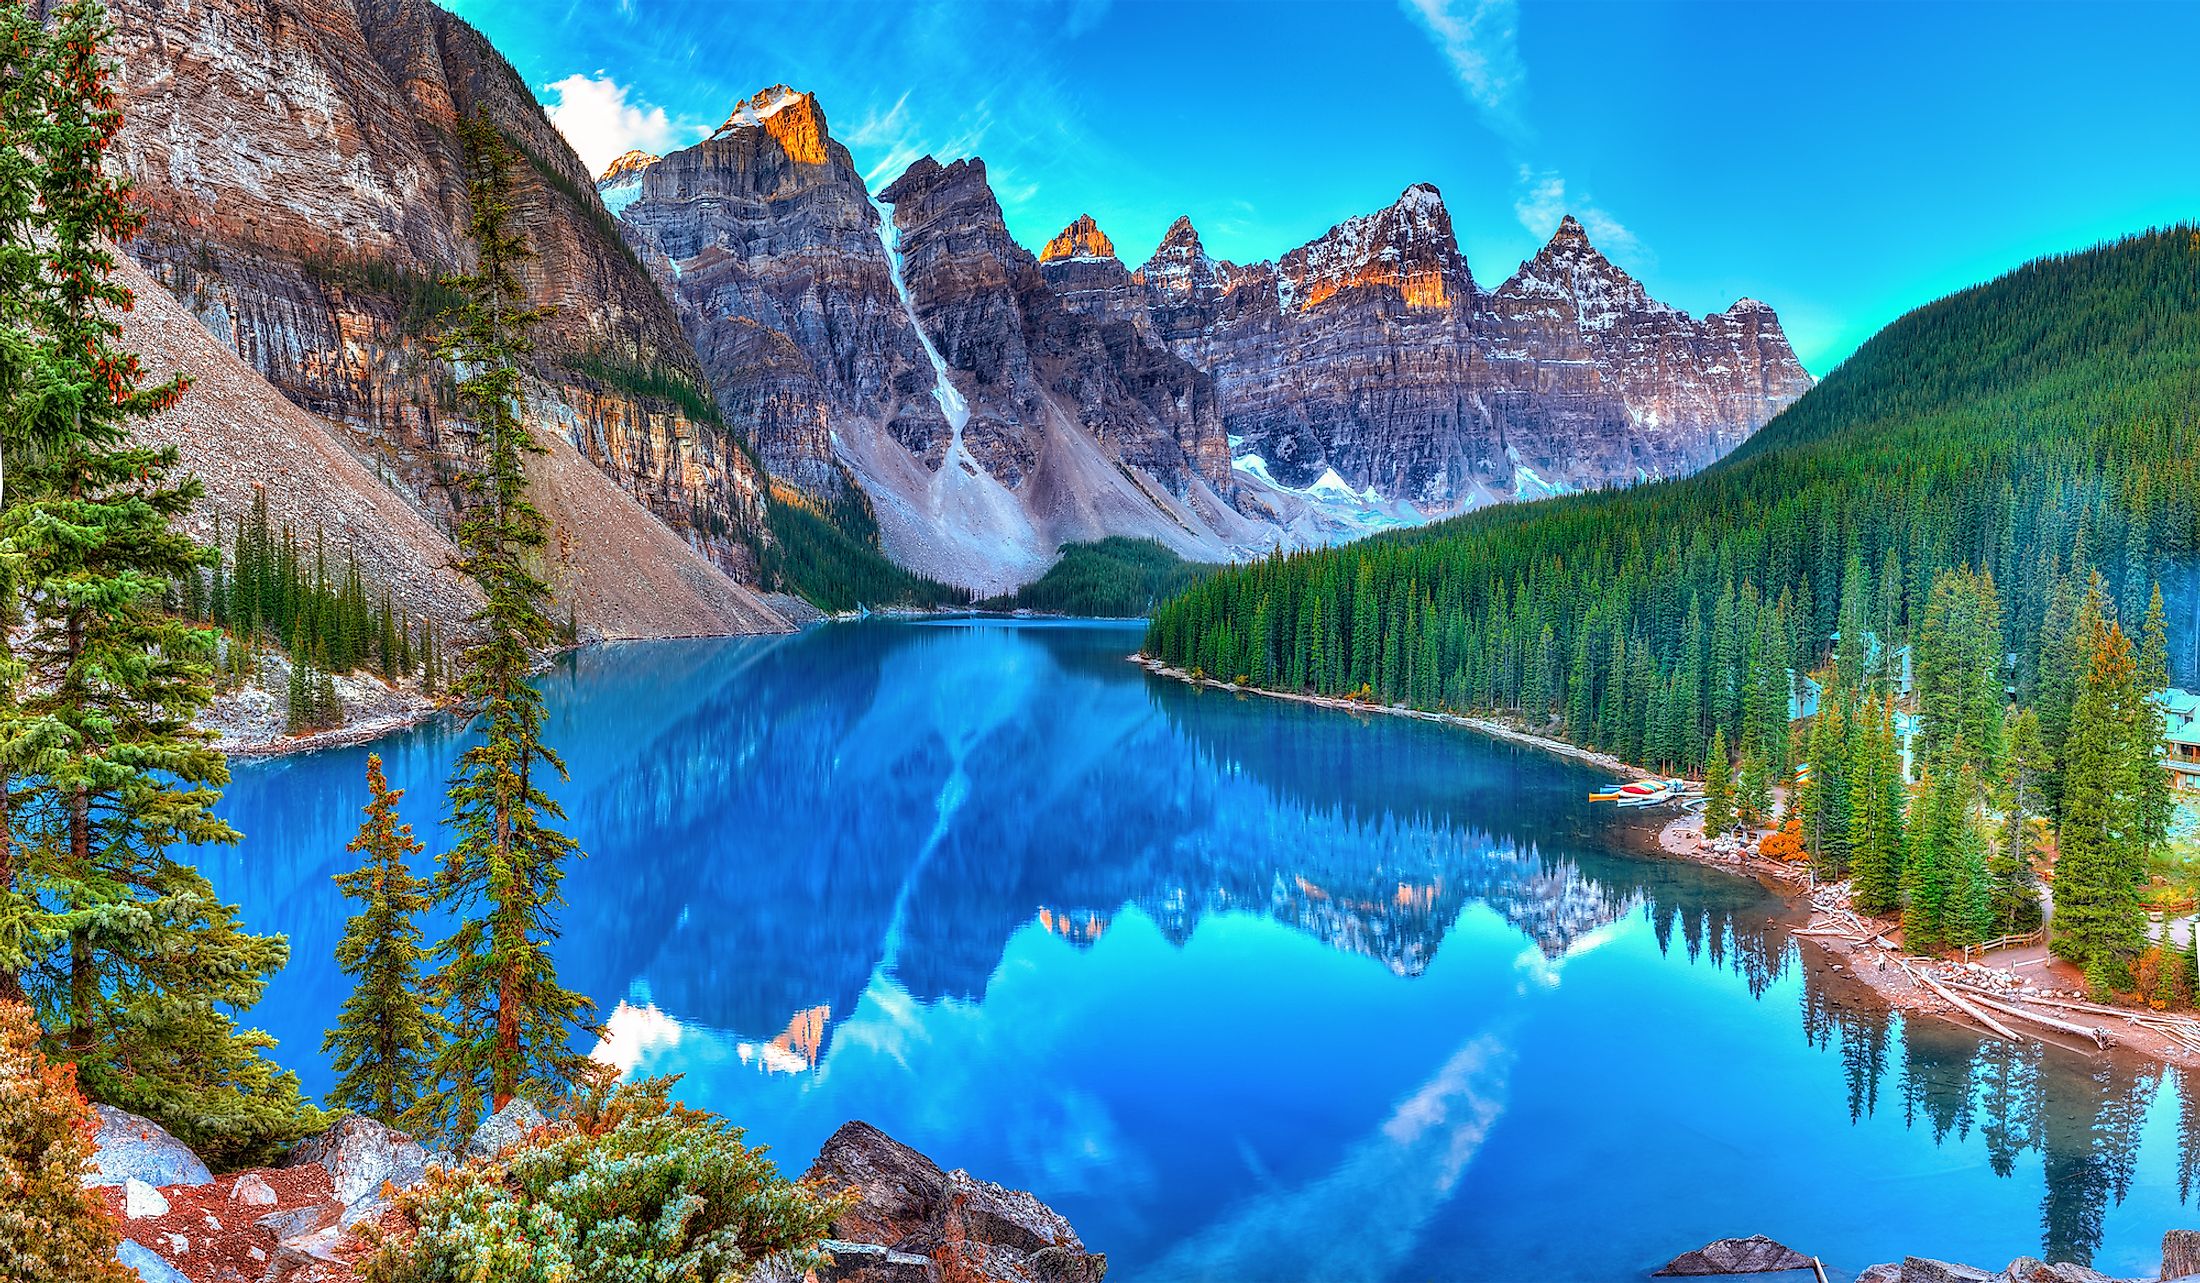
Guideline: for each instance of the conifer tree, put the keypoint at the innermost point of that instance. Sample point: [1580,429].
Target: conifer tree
[2100,923]
[512,1023]
[1753,789]
[386,1037]
[1877,792]
[2016,887]
[1718,788]
[147,965]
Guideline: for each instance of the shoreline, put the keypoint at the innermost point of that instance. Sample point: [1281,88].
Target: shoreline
[1846,949]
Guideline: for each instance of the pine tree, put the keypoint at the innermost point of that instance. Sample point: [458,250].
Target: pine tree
[146,965]
[2100,922]
[511,1021]
[1718,788]
[2016,887]
[386,1037]
[1877,791]
[1753,790]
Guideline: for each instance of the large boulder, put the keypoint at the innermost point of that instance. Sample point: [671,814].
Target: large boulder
[1922,1269]
[129,1147]
[503,1129]
[365,1160]
[1753,1255]
[150,1265]
[2181,1254]
[973,1229]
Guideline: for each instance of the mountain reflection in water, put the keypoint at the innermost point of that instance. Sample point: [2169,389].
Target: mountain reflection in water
[1246,989]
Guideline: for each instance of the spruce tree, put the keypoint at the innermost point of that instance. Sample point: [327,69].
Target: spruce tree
[386,1036]
[1753,789]
[146,965]
[2100,922]
[512,1023]
[1718,788]
[2016,887]
[1878,793]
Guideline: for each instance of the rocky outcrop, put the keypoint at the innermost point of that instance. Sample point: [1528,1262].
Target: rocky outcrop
[504,1128]
[129,1148]
[1753,1255]
[622,572]
[912,1221]
[366,1161]
[305,192]
[765,235]
[1371,357]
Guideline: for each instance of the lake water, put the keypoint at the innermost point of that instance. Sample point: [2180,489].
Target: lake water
[1247,990]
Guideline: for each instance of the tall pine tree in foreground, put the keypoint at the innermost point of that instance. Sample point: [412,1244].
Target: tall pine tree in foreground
[512,1023]
[386,1037]
[131,962]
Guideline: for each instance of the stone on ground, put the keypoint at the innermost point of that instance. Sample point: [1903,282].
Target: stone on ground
[503,1129]
[1753,1255]
[363,1158]
[149,1264]
[2181,1254]
[140,1200]
[129,1146]
[906,1204]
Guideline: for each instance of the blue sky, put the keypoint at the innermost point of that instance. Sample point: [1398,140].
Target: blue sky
[1842,162]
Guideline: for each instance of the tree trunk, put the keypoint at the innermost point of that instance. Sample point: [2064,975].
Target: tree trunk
[11,985]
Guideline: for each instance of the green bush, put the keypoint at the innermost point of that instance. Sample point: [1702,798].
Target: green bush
[51,1227]
[624,1184]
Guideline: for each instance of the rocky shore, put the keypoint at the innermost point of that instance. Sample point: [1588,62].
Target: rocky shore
[1762,1258]
[297,1222]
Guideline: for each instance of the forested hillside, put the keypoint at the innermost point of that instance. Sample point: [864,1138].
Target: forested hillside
[1966,482]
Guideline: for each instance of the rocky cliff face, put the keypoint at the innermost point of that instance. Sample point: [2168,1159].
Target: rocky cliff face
[1367,364]
[911,347]
[305,192]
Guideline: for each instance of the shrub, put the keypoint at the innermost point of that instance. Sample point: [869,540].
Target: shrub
[624,1184]
[51,1227]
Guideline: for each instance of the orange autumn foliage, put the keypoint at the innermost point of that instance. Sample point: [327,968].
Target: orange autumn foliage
[1784,843]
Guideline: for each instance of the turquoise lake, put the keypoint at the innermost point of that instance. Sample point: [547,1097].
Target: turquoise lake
[1245,989]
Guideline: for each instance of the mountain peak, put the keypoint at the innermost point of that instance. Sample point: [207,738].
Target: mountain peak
[628,166]
[1406,247]
[1571,234]
[791,117]
[1081,239]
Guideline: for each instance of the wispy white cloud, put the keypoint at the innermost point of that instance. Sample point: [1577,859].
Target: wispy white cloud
[1481,41]
[601,121]
[1540,201]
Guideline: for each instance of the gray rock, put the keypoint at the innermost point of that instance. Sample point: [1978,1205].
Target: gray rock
[1753,1255]
[2066,1272]
[1921,1269]
[869,1263]
[2020,1270]
[129,1146]
[306,1255]
[503,1129]
[1884,1272]
[140,1200]
[363,1159]
[906,1203]
[252,1190]
[294,1222]
[2180,1254]
[150,1265]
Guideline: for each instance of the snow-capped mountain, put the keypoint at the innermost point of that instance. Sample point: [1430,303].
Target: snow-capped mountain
[991,403]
